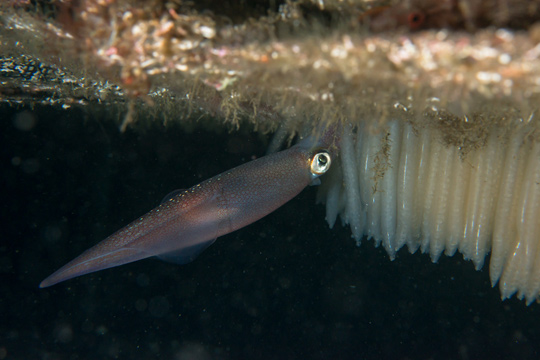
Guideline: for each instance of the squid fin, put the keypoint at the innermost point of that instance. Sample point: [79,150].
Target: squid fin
[172,194]
[186,255]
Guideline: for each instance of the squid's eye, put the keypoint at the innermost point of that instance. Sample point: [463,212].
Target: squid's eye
[320,163]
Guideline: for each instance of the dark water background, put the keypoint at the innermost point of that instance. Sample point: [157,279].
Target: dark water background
[286,287]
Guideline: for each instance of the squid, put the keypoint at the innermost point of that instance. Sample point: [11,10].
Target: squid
[189,221]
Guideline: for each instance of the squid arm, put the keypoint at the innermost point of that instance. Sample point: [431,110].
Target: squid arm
[188,222]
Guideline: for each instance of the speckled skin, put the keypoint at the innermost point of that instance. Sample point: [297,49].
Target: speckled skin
[197,216]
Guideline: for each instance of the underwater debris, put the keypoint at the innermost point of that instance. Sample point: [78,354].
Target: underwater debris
[306,60]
